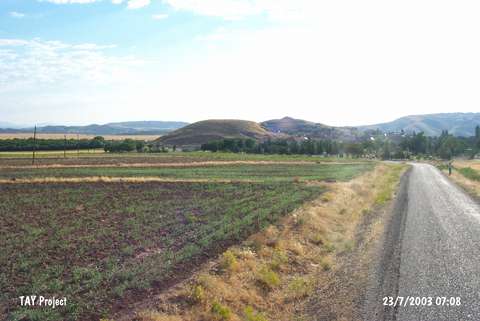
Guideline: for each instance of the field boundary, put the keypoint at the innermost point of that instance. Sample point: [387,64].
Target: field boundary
[109,179]
[178,164]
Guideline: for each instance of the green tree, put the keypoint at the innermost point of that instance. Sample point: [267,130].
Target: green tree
[356,150]
[449,148]
[477,137]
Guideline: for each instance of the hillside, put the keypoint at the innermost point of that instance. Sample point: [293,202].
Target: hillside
[208,130]
[298,127]
[120,128]
[458,124]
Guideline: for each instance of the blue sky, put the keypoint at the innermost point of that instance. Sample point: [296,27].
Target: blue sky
[341,63]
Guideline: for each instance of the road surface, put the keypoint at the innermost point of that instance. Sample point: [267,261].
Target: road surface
[440,249]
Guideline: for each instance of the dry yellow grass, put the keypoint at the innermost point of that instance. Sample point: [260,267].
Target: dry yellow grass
[74,136]
[470,185]
[475,164]
[155,316]
[277,269]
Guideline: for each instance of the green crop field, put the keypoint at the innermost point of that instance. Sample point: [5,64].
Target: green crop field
[97,156]
[105,245]
[470,173]
[258,172]
[98,243]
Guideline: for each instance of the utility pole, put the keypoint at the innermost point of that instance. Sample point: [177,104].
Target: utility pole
[65,146]
[78,145]
[34,144]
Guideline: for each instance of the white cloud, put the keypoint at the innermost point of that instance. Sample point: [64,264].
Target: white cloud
[131,4]
[92,46]
[137,4]
[69,1]
[13,42]
[15,14]
[228,9]
[36,62]
[239,9]
[160,16]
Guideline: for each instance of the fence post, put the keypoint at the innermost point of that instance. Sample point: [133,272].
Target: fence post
[34,144]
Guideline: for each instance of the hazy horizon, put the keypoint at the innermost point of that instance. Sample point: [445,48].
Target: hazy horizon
[344,63]
[20,125]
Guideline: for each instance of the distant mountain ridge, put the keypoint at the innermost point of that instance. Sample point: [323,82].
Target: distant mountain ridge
[118,128]
[180,133]
[458,124]
[299,127]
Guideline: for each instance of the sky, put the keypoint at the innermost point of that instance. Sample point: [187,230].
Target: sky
[342,62]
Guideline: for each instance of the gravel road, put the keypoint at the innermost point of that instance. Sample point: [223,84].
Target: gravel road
[429,248]
[440,249]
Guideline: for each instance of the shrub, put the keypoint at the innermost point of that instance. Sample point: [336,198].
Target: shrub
[326,263]
[228,262]
[268,278]
[300,287]
[279,258]
[329,247]
[317,239]
[221,312]
[251,315]
[198,294]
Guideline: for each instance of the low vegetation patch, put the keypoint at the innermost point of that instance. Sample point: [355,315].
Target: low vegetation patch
[99,243]
[86,157]
[221,312]
[253,172]
[388,185]
[470,173]
[267,278]
[466,174]
[252,315]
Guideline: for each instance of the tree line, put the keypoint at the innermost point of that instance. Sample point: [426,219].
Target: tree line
[386,146]
[312,147]
[29,144]
[373,145]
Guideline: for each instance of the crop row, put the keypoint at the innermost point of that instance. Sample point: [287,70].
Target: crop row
[101,243]
[258,172]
